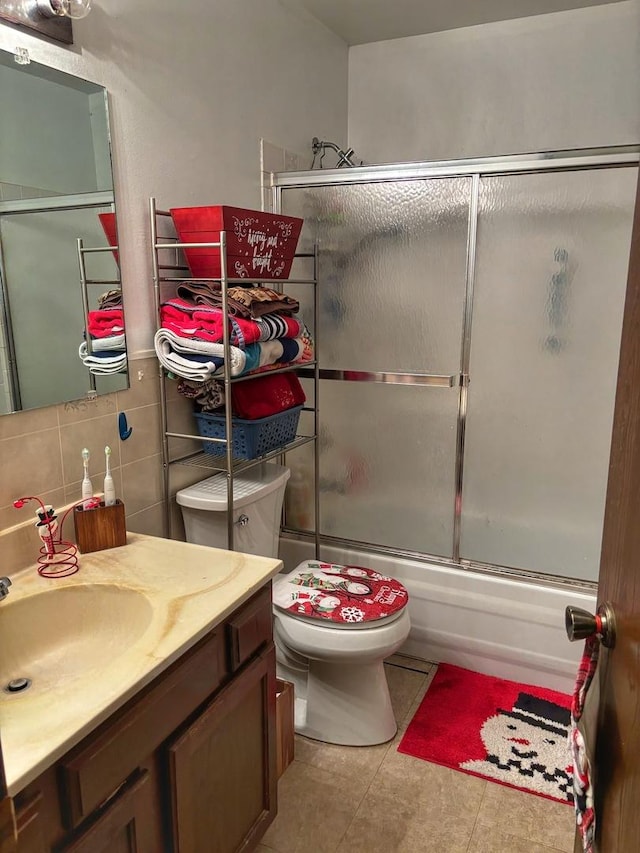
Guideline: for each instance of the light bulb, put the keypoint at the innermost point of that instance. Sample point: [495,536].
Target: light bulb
[76,8]
[64,8]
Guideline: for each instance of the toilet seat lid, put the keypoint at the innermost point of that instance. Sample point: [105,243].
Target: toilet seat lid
[338,595]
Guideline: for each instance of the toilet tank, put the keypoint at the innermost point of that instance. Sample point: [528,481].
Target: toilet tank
[257,508]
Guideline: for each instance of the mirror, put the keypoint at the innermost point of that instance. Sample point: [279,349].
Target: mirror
[56,186]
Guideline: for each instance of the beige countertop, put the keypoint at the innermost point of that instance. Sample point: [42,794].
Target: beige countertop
[94,639]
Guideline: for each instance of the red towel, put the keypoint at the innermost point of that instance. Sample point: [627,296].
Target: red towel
[105,322]
[268,395]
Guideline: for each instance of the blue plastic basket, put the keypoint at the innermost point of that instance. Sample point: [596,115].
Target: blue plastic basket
[250,438]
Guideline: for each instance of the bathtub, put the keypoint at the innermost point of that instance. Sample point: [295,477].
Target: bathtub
[488,623]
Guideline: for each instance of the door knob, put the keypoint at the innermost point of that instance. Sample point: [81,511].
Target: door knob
[581,624]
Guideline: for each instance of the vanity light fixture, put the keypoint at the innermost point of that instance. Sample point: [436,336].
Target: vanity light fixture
[74,9]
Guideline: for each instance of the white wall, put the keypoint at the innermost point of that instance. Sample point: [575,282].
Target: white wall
[565,80]
[191,94]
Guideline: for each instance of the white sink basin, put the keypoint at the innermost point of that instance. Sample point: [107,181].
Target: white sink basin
[67,633]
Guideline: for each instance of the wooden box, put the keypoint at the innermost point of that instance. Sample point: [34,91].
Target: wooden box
[100,528]
[284,725]
[259,245]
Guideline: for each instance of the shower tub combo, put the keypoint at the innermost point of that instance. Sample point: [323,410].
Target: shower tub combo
[468,336]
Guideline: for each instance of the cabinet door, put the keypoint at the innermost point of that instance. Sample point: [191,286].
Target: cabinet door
[127,825]
[223,775]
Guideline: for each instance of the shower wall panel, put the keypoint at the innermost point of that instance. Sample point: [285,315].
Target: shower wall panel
[551,265]
[392,270]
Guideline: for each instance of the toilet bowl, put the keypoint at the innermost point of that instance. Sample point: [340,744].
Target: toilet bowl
[333,627]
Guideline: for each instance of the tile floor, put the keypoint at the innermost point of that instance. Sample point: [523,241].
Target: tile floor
[336,799]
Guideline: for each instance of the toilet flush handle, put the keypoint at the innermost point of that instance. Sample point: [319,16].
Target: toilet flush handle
[242,520]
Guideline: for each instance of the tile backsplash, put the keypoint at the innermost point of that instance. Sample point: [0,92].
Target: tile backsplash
[41,450]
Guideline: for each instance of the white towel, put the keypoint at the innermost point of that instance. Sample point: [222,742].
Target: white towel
[104,363]
[116,342]
[187,357]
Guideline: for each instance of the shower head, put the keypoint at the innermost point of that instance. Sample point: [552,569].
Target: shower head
[345,158]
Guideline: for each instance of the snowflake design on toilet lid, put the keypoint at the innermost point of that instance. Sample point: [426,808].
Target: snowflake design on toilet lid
[340,594]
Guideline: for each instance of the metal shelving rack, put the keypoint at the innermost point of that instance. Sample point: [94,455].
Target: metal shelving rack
[85,281]
[165,274]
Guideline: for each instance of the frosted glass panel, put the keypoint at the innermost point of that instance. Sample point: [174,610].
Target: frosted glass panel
[549,296]
[392,272]
[387,466]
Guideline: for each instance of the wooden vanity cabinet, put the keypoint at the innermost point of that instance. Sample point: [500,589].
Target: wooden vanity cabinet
[222,767]
[186,766]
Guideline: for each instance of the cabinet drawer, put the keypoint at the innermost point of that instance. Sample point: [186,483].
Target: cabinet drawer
[29,825]
[126,824]
[249,628]
[92,771]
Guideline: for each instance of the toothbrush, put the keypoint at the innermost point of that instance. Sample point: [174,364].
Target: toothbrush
[109,488]
[87,488]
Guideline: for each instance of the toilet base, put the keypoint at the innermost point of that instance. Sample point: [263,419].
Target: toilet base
[345,704]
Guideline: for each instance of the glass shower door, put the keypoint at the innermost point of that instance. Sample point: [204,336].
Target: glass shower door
[551,269]
[392,279]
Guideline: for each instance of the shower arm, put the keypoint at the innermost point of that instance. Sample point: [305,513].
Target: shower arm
[319,147]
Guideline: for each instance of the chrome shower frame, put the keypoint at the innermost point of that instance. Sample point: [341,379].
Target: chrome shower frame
[475,169]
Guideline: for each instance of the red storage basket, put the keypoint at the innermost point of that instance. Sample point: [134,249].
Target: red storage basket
[259,245]
[108,222]
[266,395]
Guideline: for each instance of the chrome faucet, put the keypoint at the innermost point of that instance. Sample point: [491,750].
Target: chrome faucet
[5,583]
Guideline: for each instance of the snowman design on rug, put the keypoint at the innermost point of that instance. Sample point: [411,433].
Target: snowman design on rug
[528,747]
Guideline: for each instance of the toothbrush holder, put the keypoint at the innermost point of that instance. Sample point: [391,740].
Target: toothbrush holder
[100,528]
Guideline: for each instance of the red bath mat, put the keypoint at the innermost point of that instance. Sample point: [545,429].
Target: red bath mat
[510,733]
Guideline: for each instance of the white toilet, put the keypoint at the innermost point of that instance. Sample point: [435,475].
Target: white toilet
[333,625]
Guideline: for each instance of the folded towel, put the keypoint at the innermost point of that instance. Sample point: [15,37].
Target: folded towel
[105,322]
[249,302]
[201,360]
[110,299]
[113,342]
[103,363]
[209,395]
[205,322]
[192,359]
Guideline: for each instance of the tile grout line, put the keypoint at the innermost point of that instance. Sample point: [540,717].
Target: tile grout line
[475,823]
[360,802]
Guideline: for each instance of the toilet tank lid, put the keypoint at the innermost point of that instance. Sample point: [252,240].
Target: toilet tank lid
[251,485]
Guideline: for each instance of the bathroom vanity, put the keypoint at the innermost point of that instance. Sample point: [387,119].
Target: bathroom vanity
[167,745]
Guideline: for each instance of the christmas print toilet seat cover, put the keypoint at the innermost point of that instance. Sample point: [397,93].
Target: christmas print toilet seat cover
[342,595]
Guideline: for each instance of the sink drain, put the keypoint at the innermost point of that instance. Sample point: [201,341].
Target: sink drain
[17,685]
